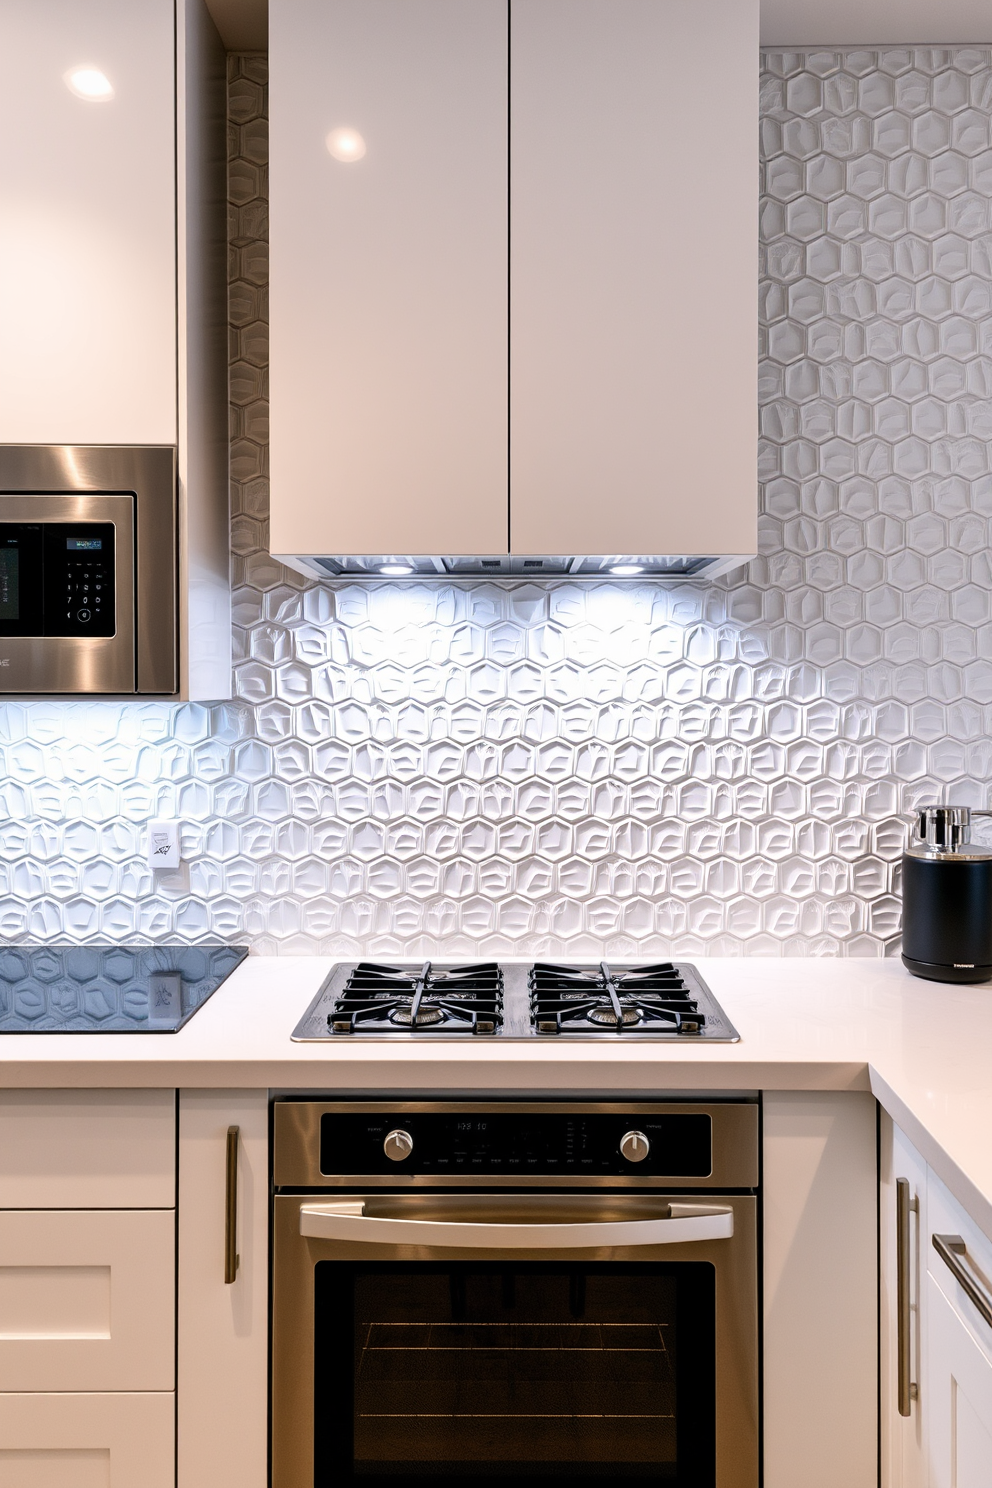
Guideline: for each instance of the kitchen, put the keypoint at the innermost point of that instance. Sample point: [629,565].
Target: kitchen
[721,771]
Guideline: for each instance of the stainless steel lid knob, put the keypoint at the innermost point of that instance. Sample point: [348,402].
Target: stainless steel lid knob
[945,828]
[398,1145]
[634,1146]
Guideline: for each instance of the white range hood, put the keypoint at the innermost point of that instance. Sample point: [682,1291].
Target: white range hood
[513,286]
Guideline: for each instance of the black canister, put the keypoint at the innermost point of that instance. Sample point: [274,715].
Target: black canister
[947,899]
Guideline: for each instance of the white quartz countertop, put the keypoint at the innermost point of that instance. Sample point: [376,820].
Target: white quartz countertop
[924,1049]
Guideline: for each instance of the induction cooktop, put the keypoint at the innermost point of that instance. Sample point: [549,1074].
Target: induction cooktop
[109,988]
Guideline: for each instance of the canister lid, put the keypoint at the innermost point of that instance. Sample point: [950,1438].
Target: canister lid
[945,831]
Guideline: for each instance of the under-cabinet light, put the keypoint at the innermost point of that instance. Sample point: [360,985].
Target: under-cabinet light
[396,570]
[626,570]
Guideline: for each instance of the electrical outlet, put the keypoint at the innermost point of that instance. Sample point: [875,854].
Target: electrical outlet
[163,845]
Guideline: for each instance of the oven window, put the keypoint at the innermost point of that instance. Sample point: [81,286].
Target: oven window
[524,1373]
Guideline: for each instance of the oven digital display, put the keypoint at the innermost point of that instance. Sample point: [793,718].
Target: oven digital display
[10,583]
[84,544]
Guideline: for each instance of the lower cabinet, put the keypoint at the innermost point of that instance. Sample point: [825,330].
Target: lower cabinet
[87,1299]
[87,1289]
[959,1380]
[902,1276]
[936,1329]
[87,1441]
[223,1307]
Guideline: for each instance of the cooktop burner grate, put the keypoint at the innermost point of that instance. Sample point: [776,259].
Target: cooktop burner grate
[637,999]
[515,1001]
[388,999]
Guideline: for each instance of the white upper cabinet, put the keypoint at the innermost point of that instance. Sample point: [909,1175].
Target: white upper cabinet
[113,117]
[388,293]
[513,232]
[633,264]
[88,222]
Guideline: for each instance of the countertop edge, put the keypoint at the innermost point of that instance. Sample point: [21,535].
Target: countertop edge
[583,1076]
[964,1190]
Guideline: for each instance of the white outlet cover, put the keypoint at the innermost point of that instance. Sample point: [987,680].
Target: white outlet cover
[163,845]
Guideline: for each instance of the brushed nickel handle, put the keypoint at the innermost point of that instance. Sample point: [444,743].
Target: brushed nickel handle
[683,1223]
[231,1258]
[954,1254]
[906,1390]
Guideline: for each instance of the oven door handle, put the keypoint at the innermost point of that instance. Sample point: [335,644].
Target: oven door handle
[347,1220]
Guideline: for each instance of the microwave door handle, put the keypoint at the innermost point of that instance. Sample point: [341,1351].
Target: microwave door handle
[684,1224]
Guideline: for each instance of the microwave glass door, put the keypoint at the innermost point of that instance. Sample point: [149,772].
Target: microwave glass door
[527,1373]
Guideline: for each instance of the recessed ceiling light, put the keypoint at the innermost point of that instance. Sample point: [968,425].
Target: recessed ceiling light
[396,570]
[345,145]
[626,570]
[89,83]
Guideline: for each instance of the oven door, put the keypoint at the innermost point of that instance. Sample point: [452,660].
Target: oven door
[514,1338]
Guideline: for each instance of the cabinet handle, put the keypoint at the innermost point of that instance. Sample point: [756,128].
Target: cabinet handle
[231,1258]
[954,1254]
[905,1206]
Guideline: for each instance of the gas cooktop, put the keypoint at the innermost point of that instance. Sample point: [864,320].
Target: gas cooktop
[490,999]
[108,988]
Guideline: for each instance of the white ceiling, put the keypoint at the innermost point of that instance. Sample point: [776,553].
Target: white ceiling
[805,23]
[243,24]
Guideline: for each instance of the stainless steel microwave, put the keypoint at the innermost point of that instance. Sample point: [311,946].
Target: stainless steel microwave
[88,570]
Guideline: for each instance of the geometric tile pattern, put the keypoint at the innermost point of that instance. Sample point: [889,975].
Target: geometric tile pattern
[481,767]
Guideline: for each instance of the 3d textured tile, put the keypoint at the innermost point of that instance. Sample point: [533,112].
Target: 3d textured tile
[485,768]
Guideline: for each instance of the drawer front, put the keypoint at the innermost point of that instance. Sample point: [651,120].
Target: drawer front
[87,1441]
[87,1300]
[945,1217]
[959,1392]
[87,1149]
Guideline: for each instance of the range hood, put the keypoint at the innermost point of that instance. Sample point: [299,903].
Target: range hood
[514,566]
[513,303]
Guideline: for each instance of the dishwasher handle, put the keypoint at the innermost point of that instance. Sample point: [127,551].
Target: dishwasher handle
[347,1220]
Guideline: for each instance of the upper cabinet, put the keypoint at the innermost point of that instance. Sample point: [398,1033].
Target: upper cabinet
[513,285]
[113,287]
[88,223]
[388,290]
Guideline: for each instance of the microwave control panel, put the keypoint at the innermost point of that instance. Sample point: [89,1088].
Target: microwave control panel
[57,579]
[583,1144]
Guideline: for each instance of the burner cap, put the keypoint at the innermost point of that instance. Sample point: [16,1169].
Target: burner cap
[425,1017]
[603,1013]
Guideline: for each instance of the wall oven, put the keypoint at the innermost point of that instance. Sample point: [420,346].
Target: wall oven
[88,570]
[514,1293]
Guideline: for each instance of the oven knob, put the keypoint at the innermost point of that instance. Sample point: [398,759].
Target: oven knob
[398,1145]
[634,1146]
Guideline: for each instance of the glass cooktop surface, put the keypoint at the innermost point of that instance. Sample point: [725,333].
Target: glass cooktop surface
[109,988]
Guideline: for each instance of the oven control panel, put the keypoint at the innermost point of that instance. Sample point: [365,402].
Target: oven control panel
[583,1144]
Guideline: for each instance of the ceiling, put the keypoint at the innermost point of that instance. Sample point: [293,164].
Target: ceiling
[243,24]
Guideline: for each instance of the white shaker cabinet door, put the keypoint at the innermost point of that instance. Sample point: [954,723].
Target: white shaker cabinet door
[87,1299]
[87,1441]
[388,282]
[902,1309]
[633,262]
[959,1408]
[87,1149]
[88,223]
[223,1324]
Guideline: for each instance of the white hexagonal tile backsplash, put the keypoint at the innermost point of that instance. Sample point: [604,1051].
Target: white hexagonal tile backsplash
[480,767]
